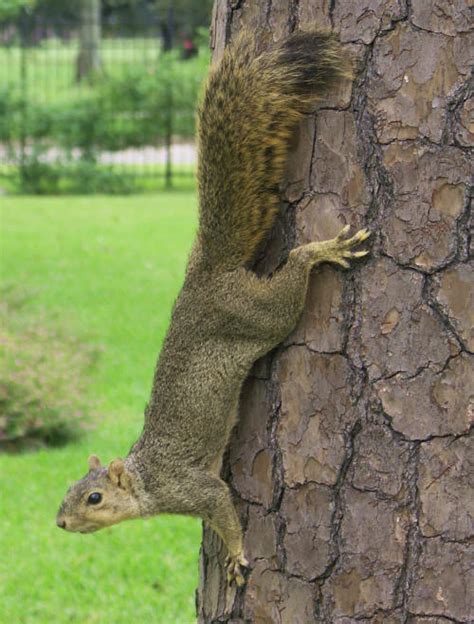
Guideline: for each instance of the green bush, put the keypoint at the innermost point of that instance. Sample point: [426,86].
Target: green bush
[42,389]
[142,107]
[10,115]
[77,177]
[137,107]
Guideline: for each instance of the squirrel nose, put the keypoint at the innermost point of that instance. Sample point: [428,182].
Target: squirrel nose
[61,524]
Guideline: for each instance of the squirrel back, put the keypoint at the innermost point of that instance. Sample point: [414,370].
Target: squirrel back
[251,105]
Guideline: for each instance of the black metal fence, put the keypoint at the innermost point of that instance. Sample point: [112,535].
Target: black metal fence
[104,106]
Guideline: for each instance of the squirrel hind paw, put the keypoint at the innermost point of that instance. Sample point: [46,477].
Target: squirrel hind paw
[235,567]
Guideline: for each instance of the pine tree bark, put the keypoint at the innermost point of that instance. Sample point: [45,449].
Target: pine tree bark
[352,462]
[89,62]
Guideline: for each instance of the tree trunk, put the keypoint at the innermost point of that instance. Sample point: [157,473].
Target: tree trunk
[88,60]
[350,464]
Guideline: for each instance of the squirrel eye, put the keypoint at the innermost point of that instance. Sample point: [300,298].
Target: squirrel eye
[94,498]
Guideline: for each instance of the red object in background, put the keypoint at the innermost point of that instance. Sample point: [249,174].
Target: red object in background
[189,48]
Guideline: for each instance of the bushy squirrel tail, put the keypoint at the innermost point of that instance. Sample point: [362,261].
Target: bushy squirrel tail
[250,107]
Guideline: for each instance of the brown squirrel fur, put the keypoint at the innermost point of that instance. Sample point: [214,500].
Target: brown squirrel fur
[225,316]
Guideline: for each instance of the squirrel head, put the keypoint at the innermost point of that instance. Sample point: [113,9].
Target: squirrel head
[105,496]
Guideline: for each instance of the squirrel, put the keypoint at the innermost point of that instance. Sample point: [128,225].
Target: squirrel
[225,317]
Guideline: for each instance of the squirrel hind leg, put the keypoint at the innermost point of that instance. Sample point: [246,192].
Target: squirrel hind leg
[214,505]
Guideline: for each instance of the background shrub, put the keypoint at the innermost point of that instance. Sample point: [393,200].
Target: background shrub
[43,383]
[56,143]
[76,177]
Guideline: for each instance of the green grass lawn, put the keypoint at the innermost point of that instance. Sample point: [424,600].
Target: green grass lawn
[108,269]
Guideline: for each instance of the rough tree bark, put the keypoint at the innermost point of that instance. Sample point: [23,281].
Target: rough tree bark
[88,60]
[352,464]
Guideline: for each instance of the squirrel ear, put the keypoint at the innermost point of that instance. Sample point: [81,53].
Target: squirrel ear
[94,462]
[118,474]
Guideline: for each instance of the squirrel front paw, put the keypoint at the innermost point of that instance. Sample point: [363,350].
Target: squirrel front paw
[340,248]
[336,250]
[235,567]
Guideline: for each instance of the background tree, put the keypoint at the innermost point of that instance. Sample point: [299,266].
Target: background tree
[88,60]
[352,460]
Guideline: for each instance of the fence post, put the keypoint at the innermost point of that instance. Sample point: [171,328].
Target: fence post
[169,135]
[24,91]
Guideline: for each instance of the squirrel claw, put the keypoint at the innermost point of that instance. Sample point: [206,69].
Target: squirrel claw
[234,567]
[339,249]
[359,237]
[354,254]
[343,233]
